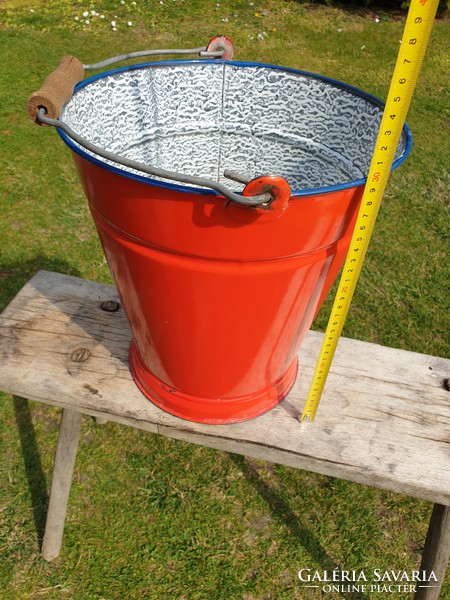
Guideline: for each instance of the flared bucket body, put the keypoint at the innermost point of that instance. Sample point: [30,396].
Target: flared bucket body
[219,296]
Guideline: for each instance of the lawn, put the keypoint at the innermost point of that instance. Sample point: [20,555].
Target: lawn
[157,518]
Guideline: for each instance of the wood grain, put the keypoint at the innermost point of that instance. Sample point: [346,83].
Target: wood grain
[384,419]
[436,552]
[66,453]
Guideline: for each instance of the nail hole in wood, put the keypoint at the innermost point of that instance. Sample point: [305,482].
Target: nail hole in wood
[110,306]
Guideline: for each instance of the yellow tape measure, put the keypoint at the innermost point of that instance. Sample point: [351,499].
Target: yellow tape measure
[409,61]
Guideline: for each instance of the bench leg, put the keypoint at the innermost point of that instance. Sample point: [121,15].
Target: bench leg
[436,552]
[66,452]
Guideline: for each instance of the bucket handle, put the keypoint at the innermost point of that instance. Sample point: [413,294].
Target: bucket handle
[44,107]
[58,87]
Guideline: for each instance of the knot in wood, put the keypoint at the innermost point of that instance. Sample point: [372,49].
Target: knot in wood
[110,306]
[80,355]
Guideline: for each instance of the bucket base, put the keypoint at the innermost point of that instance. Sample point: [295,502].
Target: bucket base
[209,410]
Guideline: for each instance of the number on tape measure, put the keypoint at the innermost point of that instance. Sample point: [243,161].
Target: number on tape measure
[415,39]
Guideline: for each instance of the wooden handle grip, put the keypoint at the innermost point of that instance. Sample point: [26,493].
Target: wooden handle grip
[57,89]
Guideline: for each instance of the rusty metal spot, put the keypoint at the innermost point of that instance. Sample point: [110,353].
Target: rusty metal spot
[80,355]
[110,306]
[166,388]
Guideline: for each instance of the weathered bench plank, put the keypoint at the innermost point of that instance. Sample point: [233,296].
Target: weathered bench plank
[384,419]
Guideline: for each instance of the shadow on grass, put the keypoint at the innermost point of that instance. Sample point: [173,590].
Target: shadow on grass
[33,466]
[282,513]
[12,278]
[395,9]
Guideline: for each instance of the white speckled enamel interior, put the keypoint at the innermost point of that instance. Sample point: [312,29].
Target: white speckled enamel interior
[200,118]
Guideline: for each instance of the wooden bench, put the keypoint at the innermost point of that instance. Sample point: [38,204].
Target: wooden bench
[384,419]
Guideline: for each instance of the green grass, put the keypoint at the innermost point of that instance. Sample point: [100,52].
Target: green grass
[157,518]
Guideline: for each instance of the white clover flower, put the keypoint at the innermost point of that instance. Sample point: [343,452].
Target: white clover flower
[87,21]
[113,23]
[114,28]
[377,20]
[133,4]
[130,24]
[260,36]
[224,20]
[77,18]
[86,13]
[102,16]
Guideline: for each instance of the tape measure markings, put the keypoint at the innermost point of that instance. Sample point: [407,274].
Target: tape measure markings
[414,42]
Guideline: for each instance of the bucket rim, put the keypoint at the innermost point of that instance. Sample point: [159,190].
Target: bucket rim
[174,186]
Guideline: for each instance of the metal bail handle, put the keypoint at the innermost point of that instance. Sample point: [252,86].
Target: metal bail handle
[44,107]
[274,185]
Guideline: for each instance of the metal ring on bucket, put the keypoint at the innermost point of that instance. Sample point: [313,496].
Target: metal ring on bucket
[274,185]
[221,43]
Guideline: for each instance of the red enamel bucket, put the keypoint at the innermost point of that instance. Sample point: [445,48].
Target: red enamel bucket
[218,293]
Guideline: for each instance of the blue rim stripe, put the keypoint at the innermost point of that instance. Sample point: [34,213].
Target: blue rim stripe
[204,191]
